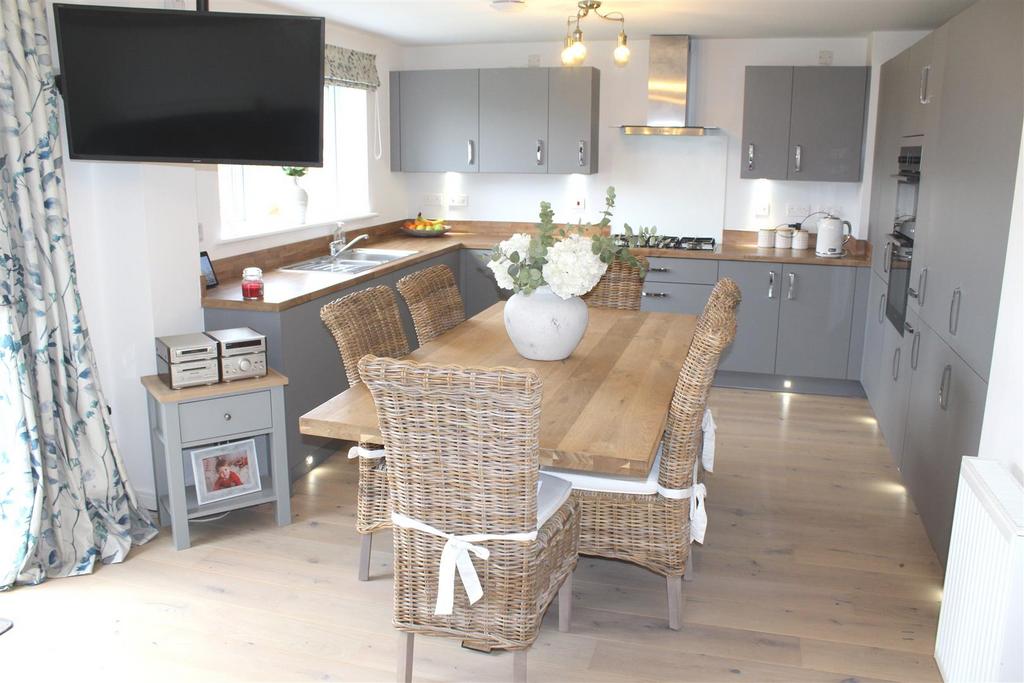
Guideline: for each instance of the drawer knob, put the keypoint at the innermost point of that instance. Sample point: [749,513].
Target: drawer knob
[227,417]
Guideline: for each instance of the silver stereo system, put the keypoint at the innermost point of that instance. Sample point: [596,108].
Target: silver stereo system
[243,353]
[187,360]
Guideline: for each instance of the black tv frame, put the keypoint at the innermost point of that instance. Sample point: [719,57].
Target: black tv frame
[202,7]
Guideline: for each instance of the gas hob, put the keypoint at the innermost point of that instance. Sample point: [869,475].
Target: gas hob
[670,242]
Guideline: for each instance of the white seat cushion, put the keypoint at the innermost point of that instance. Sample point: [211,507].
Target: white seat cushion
[610,484]
[551,493]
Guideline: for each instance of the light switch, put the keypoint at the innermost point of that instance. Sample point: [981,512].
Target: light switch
[763,210]
[458,201]
[433,199]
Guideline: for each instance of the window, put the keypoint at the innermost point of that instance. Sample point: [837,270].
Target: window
[256,200]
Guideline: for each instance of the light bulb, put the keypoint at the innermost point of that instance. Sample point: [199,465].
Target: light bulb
[579,51]
[568,56]
[621,53]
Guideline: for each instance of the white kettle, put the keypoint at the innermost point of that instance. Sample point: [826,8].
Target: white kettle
[833,234]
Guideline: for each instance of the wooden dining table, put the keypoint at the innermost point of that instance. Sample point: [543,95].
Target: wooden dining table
[603,409]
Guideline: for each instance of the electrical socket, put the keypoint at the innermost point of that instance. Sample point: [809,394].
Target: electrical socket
[458,201]
[834,210]
[825,57]
[798,210]
[763,210]
[433,199]
[579,204]
[533,60]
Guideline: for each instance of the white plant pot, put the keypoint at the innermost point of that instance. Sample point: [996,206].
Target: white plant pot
[544,326]
[300,201]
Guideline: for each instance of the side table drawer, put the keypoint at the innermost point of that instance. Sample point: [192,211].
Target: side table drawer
[221,417]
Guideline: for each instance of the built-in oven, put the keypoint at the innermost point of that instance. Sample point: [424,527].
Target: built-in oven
[900,247]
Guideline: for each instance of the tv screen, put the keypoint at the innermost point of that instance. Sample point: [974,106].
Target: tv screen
[207,87]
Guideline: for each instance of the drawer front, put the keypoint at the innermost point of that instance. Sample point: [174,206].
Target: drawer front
[220,417]
[673,297]
[686,270]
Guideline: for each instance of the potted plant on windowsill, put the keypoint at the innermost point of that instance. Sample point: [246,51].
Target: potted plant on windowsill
[549,271]
[300,198]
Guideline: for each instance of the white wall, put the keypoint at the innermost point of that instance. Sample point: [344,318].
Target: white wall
[1000,433]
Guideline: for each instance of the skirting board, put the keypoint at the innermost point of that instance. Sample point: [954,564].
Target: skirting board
[796,385]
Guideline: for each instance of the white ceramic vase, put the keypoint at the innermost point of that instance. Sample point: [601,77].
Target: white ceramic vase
[543,325]
[300,201]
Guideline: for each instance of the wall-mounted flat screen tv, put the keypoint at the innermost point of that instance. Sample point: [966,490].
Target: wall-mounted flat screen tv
[193,87]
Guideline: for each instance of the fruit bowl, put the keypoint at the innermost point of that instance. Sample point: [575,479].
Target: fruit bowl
[425,227]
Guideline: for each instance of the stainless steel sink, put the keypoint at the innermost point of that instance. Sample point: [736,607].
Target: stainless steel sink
[352,261]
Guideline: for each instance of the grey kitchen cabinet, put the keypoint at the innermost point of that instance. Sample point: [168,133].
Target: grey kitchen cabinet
[922,84]
[899,354]
[757,323]
[882,211]
[574,95]
[860,311]
[514,121]
[946,407]
[872,367]
[826,132]
[439,120]
[479,289]
[815,321]
[821,120]
[691,271]
[767,103]
[970,174]
[675,297]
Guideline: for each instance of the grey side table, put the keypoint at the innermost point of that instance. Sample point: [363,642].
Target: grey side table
[183,419]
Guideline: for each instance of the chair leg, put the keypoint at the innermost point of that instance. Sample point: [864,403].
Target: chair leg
[404,670]
[565,604]
[364,557]
[690,571]
[519,666]
[675,602]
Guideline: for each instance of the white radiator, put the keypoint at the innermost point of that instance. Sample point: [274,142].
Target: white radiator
[981,627]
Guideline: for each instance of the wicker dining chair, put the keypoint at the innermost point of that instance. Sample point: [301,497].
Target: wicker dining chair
[621,286]
[434,301]
[648,522]
[463,446]
[365,322]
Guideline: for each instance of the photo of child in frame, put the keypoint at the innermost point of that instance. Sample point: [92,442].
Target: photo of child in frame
[226,471]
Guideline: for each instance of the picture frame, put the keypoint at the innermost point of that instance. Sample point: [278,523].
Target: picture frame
[206,268]
[226,471]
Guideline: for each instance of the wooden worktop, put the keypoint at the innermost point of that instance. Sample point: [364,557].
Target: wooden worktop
[164,394]
[285,289]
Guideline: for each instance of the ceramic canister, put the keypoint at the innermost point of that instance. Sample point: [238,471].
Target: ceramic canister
[766,238]
[801,239]
[784,238]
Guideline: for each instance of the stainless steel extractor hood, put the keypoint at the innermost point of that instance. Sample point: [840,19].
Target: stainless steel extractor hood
[668,96]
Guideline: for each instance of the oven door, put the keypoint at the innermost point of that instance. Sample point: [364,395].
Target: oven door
[900,255]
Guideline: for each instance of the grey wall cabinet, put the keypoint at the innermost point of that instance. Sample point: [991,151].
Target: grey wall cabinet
[574,96]
[947,404]
[815,321]
[439,120]
[921,84]
[514,121]
[757,330]
[823,122]
[767,103]
[528,120]
[479,290]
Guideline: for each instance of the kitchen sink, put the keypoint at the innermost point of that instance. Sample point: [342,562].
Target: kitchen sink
[352,261]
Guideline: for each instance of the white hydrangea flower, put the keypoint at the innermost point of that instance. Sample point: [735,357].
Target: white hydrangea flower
[518,243]
[572,267]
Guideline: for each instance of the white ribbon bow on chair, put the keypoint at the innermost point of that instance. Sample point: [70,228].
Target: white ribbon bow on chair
[455,556]
[369,454]
[707,454]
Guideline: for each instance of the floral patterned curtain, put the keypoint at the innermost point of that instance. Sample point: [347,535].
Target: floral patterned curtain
[64,500]
[350,68]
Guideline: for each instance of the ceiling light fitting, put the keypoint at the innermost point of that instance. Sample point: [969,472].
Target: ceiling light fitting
[575,51]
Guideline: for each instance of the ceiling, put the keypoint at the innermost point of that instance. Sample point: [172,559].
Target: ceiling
[437,22]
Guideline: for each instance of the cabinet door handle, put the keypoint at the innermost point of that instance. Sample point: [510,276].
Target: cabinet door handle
[656,295]
[881,308]
[922,281]
[798,153]
[791,292]
[896,363]
[750,157]
[915,348]
[470,156]
[540,152]
[581,149]
[885,257]
[771,284]
[924,96]
[954,311]
[947,375]
[658,269]
[227,417]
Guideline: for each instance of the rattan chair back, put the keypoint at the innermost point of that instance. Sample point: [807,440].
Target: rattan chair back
[620,287]
[434,301]
[365,322]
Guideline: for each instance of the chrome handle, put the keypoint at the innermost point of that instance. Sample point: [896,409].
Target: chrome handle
[954,311]
[581,149]
[885,257]
[657,269]
[470,156]
[771,284]
[881,308]
[656,295]
[915,348]
[540,152]
[947,375]
[896,363]
[227,417]
[911,292]
[923,94]
[922,280]
[797,156]
[750,157]
[791,292]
